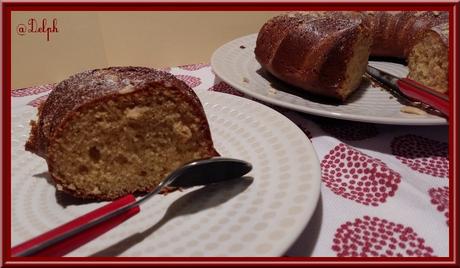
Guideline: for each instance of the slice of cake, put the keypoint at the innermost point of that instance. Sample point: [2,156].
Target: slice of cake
[109,132]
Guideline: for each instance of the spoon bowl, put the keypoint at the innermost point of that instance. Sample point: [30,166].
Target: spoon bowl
[202,172]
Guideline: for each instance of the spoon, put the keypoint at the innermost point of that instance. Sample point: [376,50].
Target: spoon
[199,172]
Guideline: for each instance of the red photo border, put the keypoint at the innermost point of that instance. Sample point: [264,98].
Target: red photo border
[9,7]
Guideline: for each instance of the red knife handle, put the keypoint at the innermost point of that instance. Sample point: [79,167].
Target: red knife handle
[424,94]
[73,242]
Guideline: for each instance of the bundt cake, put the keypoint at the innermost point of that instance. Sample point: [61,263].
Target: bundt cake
[108,132]
[326,53]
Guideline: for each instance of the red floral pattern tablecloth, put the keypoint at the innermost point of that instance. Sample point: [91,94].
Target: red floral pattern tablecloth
[385,189]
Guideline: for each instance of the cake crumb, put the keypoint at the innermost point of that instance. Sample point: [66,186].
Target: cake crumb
[96,190]
[135,112]
[71,187]
[272,91]
[169,189]
[183,131]
[127,89]
[246,80]
[412,110]
[242,47]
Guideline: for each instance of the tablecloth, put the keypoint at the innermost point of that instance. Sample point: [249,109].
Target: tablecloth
[385,188]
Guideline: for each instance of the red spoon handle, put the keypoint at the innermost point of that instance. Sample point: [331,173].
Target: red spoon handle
[63,247]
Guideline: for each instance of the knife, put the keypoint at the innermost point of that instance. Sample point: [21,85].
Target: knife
[411,91]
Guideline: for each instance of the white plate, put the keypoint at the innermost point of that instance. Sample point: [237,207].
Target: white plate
[238,67]
[262,217]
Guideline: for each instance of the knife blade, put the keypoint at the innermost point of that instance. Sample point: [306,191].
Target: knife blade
[411,91]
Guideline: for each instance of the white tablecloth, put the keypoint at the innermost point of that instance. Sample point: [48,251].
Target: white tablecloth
[385,188]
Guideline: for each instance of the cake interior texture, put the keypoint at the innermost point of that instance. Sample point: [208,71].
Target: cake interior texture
[428,63]
[126,144]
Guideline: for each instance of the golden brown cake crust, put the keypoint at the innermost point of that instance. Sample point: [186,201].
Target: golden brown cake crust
[442,30]
[95,85]
[395,32]
[298,47]
[137,88]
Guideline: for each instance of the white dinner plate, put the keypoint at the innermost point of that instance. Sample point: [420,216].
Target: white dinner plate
[235,63]
[261,216]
